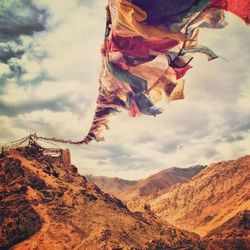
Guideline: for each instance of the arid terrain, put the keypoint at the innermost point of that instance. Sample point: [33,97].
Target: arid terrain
[46,204]
[136,193]
[212,201]
[111,185]
[212,197]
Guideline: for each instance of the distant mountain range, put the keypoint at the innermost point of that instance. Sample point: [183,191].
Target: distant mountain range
[157,183]
[210,198]
[46,204]
[111,185]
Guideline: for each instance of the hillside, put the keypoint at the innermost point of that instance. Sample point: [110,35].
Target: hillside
[239,225]
[111,185]
[158,182]
[211,198]
[234,234]
[46,204]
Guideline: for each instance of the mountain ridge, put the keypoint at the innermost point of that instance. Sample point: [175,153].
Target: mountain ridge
[128,190]
[213,196]
[111,185]
[194,203]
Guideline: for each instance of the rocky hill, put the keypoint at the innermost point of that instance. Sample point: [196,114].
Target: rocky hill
[207,201]
[46,204]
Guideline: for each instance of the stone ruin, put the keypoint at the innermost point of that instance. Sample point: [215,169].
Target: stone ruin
[34,149]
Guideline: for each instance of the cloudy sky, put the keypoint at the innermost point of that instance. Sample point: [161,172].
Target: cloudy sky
[49,64]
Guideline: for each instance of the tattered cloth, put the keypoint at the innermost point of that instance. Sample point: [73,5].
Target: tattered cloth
[147,50]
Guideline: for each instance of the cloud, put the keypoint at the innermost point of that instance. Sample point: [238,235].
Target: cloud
[53,96]
[9,50]
[234,138]
[20,18]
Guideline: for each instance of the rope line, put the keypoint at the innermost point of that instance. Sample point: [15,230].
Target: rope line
[62,140]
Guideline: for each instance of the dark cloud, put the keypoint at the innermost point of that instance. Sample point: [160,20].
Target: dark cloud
[58,104]
[122,157]
[172,145]
[242,124]
[113,153]
[118,151]
[20,17]
[16,69]
[35,126]
[235,122]
[233,138]
[132,161]
[42,77]
[9,50]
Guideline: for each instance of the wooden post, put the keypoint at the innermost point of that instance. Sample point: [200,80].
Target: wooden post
[2,152]
[66,157]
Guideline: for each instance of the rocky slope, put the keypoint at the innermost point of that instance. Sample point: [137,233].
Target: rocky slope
[234,234]
[46,204]
[237,226]
[207,201]
[111,185]
[137,195]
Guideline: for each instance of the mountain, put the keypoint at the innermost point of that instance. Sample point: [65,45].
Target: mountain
[111,185]
[131,191]
[46,204]
[159,182]
[207,201]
